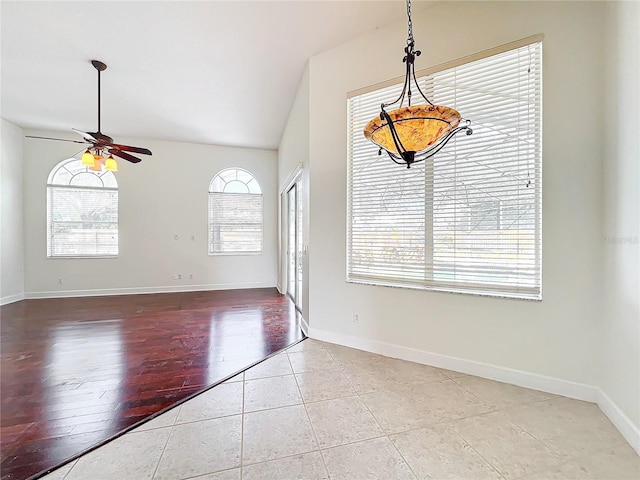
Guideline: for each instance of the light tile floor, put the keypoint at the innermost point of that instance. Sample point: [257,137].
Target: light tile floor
[321,411]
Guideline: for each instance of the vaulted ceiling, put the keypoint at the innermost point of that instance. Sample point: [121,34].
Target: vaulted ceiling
[215,72]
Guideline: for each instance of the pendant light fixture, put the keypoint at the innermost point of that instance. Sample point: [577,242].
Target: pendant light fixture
[413,133]
[110,164]
[87,158]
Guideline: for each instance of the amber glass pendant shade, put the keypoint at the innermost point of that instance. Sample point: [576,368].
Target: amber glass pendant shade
[87,158]
[111,164]
[419,127]
[97,164]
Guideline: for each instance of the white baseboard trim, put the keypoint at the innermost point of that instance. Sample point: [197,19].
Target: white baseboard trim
[144,290]
[566,388]
[304,326]
[620,420]
[521,378]
[12,298]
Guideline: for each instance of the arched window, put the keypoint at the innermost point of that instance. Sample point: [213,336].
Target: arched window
[235,213]
[82,211]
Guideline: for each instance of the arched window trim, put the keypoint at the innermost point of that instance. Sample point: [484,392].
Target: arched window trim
[102,176]
[219,175]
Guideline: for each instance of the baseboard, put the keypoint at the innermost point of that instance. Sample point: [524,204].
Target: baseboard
[143,290]
[579,391]
[12,298]
[623,423]
[304,326]
[521,378]
[282,292]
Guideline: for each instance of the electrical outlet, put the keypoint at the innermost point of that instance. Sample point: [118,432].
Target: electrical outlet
[60,281]
[356,319]
[179,277]
[191,276]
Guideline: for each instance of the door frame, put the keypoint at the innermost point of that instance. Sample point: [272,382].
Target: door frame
[294,178]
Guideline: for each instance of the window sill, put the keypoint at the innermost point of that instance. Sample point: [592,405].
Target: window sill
[77,257]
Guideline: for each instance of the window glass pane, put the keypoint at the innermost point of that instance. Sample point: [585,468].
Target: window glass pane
[217,185]
[229,174]
[61,177]
[244,176]
[254,187]
[86,179]
[108,179]
[236,186]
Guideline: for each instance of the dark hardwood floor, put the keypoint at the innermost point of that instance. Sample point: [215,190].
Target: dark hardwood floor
[77,371]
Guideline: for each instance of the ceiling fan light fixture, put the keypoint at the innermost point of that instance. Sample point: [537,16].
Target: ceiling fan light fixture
[87,158]
[97,165]
[110,164]
[413,133]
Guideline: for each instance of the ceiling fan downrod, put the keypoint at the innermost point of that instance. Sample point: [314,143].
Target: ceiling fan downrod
[99,66]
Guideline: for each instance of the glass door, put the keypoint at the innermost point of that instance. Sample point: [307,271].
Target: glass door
[292,243]
[299,245]
[295,244]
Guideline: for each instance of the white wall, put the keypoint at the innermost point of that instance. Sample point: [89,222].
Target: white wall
[293,150]
[163,196]
[621,318]
[555,337]
[11,229]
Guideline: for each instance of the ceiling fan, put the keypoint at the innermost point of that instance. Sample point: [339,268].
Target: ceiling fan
[99,143]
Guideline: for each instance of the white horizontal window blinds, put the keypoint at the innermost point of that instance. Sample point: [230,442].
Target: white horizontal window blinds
[83,222]
[235,223]
[469,219]
[82,212]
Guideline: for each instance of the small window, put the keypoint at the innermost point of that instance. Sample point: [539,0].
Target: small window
[235,213]
[82,212]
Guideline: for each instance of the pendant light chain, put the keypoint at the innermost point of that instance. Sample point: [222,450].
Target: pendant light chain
[410,24]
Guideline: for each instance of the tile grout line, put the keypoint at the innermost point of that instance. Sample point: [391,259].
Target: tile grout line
[315,435]
[386,434]
[72,467]
[459,435]
[202,475]
[541,442]
[497,408]
[164,448]
[402,457]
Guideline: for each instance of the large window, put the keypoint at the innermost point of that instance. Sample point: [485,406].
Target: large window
[469,219]
[82,212]
[235,213]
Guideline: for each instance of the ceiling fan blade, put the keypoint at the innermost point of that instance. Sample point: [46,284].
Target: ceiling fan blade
[85,135]
[124,155]
[58,139]
[129,148]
